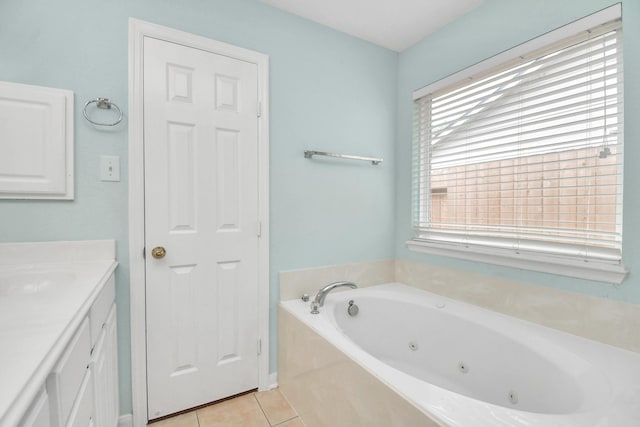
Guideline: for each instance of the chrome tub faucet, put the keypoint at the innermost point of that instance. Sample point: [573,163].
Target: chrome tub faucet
[318,301]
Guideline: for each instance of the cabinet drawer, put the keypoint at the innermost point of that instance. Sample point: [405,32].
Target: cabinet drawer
[100,308]
[66,378]
[82,412]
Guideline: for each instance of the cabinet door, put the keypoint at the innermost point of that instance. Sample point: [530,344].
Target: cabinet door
[105,370]
[65,379]
[99,368]
[82,413]
[111,348]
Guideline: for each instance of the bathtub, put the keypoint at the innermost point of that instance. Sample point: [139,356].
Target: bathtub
[446,363]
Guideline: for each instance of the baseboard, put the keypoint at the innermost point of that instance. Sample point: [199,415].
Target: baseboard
[125,420]
[273,380]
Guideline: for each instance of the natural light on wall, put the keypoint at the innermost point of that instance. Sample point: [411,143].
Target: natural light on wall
[521,163]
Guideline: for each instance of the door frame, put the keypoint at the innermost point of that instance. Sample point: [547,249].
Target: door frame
[137,31]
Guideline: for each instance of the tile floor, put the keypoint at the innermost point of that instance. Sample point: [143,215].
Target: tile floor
[260,409]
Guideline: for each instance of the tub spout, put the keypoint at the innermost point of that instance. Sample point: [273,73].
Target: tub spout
[318,301]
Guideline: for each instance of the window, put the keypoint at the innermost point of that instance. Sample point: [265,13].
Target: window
[524,161]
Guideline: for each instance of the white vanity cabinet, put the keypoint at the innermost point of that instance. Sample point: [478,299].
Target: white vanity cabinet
[82,388]
[58,351]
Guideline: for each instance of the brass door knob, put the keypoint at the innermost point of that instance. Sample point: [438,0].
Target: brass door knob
[158,252]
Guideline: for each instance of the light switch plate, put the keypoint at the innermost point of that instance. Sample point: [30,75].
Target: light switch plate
[109,168]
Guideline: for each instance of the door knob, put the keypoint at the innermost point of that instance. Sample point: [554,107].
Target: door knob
[158,252]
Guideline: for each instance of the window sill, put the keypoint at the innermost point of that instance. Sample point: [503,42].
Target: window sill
[600,271]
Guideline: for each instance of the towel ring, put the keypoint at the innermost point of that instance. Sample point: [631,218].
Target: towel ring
[105,104]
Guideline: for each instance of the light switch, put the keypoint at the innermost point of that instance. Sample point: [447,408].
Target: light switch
[109,168]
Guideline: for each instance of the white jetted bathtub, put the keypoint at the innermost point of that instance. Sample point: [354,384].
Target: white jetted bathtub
[457,364]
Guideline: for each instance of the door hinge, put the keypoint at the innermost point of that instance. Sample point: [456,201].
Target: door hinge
[259,231]
[259,347]
[144,253]
[259,109]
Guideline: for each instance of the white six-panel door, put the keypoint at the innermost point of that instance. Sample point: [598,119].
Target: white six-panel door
[201,206]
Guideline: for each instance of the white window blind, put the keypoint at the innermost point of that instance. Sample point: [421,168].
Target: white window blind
[528,156]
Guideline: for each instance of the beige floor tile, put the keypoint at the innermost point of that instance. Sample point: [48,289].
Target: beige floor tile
[185,420]
[296,422]
[275,406]
[242,411]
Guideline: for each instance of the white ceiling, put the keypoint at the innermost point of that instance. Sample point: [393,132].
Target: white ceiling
[394,24]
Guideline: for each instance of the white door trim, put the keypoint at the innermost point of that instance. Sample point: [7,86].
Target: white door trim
[137,31]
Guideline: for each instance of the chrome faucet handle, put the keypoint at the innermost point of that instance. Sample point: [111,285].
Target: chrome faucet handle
[305,297]
[314,307]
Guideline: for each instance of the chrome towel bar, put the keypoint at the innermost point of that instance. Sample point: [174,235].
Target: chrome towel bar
[374,160]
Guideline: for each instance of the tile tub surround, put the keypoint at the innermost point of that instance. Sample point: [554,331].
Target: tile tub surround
[599,319]
[328,389]
[294,283]
[35,328]
[611,322]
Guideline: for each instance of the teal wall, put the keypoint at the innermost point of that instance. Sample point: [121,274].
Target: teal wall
[329,92]
[493,27]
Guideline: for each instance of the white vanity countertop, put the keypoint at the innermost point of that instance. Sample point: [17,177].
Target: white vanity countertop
[41,306]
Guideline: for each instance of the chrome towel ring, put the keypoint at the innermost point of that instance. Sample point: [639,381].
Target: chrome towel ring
[104,104]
